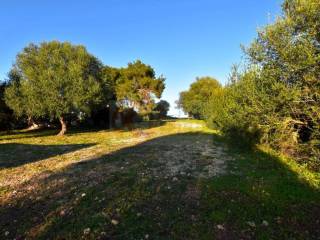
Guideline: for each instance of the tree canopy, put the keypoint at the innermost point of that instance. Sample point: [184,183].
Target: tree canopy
[162,107]
[58,80]
[137,86]
[193,101]
[6,115]
[53,79]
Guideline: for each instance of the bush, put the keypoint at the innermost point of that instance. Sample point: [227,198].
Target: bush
[276,100]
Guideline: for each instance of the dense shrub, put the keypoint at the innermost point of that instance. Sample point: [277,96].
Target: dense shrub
[193,101]
[6,115]
[276,99]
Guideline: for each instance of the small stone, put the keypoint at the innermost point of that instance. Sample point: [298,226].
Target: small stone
[6,233]
[139,214]
[169,187]
[86,231]
[174,179]
[62,213]
[265,223]
[83,195]
[103,233]
[114,222]
[122,168]
[251,224]
[220,227]
[146,236]
[279,220]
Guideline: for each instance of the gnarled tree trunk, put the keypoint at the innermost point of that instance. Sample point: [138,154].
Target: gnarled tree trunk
[63,126]
[30,121]
[31,124]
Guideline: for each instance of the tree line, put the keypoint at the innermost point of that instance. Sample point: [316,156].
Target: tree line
[274,97]
[60,81]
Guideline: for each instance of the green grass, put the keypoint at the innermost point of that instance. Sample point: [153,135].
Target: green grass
[59,187]
[269,189]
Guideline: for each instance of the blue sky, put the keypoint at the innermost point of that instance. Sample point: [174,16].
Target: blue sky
[181,39]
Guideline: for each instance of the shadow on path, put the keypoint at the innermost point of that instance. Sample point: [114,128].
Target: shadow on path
[17,154]
[123,186]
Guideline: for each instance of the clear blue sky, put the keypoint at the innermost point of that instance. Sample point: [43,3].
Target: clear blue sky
[181,39]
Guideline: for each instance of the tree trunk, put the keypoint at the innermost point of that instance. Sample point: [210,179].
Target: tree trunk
[30,121]
[31,124]
[63,126]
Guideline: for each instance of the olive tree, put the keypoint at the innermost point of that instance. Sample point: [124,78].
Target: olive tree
[53,79]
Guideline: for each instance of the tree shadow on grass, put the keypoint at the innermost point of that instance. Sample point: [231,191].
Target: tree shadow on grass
[17,154]
[267,197]
[12,135]
[45,132]
[120,196]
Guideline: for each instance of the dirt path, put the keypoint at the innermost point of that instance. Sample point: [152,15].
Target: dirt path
[194,155]
[173,181]
[165,158]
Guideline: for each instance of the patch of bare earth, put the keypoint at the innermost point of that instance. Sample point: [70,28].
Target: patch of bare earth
[53,187]
[194,155]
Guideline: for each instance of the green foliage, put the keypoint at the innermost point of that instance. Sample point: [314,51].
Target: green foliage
[53,79]
[59,80]
[162,107]
[109,77]
[249,107]
[16,96]
[137,86]
[276,100]
[6,115]
[194,100]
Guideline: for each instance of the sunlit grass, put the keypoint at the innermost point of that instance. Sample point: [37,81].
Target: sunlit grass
[59,187]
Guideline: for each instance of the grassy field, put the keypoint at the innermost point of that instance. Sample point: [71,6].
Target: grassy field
[175,180]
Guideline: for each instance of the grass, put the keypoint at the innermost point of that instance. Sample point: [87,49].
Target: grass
[151,183]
